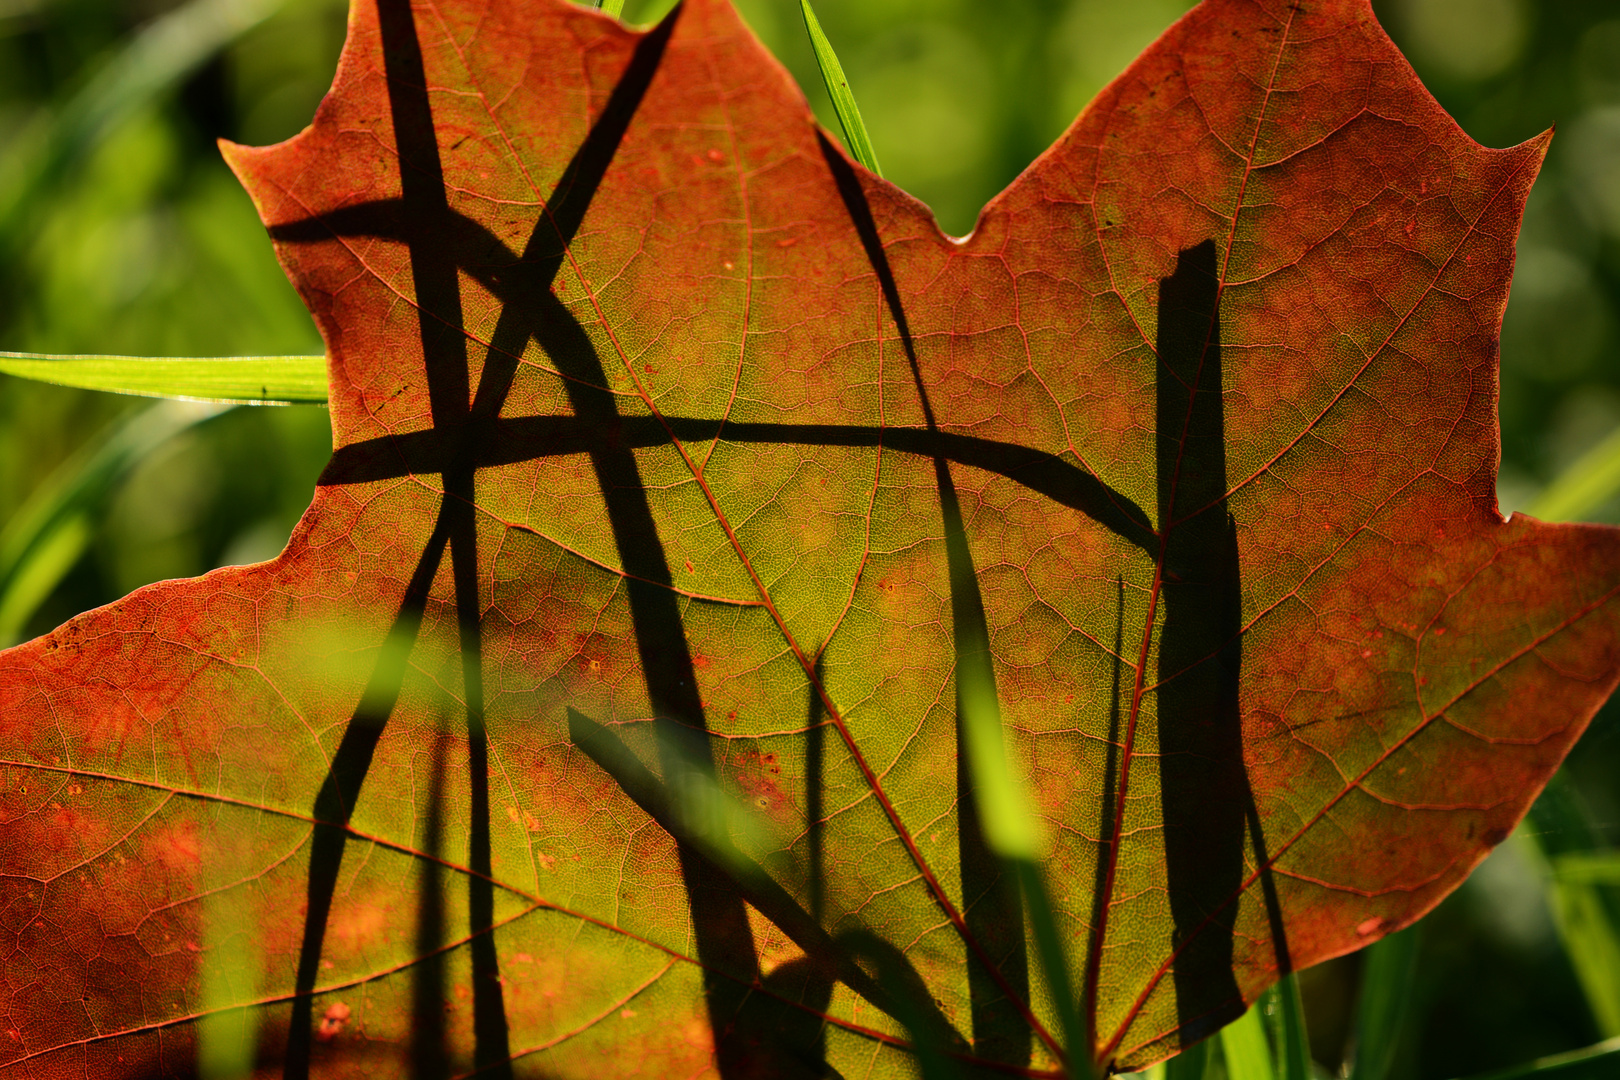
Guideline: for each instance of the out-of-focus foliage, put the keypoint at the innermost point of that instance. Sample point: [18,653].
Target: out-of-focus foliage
[146,245]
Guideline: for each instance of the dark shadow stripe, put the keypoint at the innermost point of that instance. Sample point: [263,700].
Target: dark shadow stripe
[815,810]
[1204,785]
[438,298]
[429,1059]
[465,440]
[1268,888]
[491,1039]
[434,270]
[512,440]
[334,803]
[992,899]
[524,286]
[724,939]
[1106,852]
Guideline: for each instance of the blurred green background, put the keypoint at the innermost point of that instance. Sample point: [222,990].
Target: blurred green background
[122,231]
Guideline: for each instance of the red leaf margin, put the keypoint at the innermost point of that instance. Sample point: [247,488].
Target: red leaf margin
[1420,666]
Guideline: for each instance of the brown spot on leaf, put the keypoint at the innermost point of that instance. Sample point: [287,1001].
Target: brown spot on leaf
[337,1014]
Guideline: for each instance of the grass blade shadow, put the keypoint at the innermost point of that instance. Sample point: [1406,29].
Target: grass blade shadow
[704,818]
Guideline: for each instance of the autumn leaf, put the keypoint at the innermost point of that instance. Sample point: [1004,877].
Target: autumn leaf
[602,715]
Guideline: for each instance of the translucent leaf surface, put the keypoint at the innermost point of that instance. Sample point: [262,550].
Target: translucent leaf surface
[602,714]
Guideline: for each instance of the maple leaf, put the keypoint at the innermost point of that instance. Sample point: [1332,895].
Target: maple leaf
[602,713]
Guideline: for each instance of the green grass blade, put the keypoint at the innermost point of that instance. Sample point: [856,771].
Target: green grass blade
[57,550]
[255,380]
[1152,1072]
[227,1034]
[1600,1062]
[1191,1064]
[689,804]
[1588,867]
[44,539]
[162,54]
[614,8]
[1285,1015]
[1382,1006]
[1562,839]
[843,100]
[1583,487]
[1243,1043]
[1594,950]
[1011,830]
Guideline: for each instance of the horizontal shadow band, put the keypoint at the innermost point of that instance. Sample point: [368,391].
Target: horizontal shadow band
[507,441]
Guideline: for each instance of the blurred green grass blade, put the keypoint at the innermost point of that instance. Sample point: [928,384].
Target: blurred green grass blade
[1285,1015]
[47,562]
[1385,997]
[1055,968]
[687,801]
[1585,924]
[1561,838]
[1191,1064]
[1599,1062]
[1383,1003]
[689,804]
[1588,867]
[1012,832]
[1010,828]
[843,100]
[257,380]
[1583,487]
[161,55]
[227,1031]
[1594,950]
[1243,1043]
[614,8]
[43,540]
